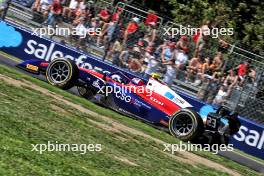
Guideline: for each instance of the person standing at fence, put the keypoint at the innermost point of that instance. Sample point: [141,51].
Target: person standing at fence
[219,61]
[131,29]
[56,10]
[211,90]
[152,32]
[69,12]
[181,57]
[152,66]
[135,62]
[125,56]
[116,51]
[80,34]
[221,96]
[90,9]
[242,70]
[200,37]
[194,68]
[43,7]
[231,81]
[116,15]
[168,59]
[250,80]
[252,74]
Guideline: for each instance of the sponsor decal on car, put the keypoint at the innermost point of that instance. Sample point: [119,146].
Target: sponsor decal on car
[140,104]
[156,101]
[32,67]
[123,96]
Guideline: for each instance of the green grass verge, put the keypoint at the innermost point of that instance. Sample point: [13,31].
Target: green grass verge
[27,117]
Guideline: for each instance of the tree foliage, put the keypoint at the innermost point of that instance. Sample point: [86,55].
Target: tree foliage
[246,17]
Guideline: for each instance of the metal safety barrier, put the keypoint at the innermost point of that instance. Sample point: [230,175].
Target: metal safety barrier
[101,4]
[21,15]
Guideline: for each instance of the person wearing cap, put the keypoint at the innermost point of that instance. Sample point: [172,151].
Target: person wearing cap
[132,27]
[104,14]
[183,44]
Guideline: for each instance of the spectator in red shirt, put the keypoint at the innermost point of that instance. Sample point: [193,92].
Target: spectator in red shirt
[242,70]
[132,27]
[116,15]
[56,7]
[199,37]
[55,12]
[183,44]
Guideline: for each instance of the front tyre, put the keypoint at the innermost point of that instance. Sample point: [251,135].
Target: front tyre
[62,73]
[186,125]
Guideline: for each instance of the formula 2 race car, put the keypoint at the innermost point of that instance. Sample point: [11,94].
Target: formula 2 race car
[150,100]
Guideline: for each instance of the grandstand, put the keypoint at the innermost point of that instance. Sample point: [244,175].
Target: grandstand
[246,93]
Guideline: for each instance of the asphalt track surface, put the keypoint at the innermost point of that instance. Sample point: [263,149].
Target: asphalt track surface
[239,158]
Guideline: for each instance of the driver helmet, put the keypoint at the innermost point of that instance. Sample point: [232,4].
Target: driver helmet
[137,81]
[155,76]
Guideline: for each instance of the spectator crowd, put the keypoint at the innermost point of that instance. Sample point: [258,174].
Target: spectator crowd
[139,47]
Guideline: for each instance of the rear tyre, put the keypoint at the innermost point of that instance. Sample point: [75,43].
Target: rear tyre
[186,125]
[62,73]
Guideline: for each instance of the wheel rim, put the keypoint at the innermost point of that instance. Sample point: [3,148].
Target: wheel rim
[183,124]
[59,72]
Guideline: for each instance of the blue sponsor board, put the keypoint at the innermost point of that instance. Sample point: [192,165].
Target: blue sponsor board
[22,44]
[25,45]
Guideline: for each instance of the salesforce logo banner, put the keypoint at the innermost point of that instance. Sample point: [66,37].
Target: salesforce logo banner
[22,44]
[9,36]
[250,138]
